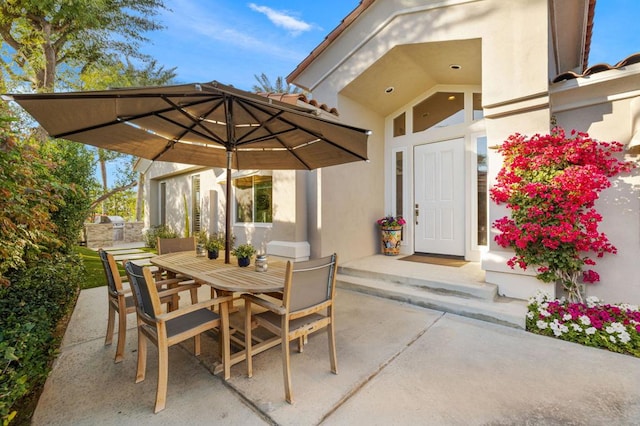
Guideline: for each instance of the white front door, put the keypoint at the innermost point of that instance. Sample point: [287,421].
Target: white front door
[439,198]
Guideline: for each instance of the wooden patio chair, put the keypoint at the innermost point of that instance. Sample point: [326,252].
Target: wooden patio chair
[121,301]
[307,306]
[167,329]
[173,245]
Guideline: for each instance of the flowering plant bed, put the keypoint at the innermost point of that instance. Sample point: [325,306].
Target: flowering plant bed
[593,323]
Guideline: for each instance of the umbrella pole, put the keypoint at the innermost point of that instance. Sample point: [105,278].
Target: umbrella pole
[227,226]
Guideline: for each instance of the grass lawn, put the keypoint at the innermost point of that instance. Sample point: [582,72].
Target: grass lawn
[95,273]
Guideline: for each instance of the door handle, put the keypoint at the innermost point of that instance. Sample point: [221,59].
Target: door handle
[417,213]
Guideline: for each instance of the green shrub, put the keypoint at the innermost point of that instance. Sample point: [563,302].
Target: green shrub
[160,231]
[30,310]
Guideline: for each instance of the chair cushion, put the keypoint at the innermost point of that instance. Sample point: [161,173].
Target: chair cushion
[186,322]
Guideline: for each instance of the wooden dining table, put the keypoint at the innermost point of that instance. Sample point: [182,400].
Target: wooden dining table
[228,278]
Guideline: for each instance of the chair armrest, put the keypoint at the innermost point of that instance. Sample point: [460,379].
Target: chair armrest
[175,290]
[168,281]
[280,310]
[191,308]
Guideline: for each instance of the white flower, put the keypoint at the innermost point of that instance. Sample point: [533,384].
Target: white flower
[576,327]
[615,327]
[612,338]
[585,320]
[558,329]
[545,313]
[530,315]
[627,307]
[567,317]
[541,324]
[540,297]
[592,301]
[590,330]
[624,337]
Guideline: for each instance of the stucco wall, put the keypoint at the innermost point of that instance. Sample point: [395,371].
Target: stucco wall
[579,105]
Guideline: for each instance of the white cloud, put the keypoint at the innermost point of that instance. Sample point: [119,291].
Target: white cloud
[282,19]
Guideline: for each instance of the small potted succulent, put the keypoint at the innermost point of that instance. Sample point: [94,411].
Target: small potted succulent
[244,252]
[213,246]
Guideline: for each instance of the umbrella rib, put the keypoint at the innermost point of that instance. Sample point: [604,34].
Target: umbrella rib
[275,136]
[196,122]
[295,126]
[123,120]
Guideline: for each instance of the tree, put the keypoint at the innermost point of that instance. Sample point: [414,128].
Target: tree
[79,34]
[551,183]
[264,85]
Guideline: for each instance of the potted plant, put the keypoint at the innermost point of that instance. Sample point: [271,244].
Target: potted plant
[213,246]
[391,234]
[244,252]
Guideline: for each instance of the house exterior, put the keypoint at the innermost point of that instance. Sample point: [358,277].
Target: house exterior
[439,83]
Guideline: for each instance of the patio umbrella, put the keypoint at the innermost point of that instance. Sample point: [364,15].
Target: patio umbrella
[207,124]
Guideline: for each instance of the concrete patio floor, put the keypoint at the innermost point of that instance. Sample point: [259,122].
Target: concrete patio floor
[398,364]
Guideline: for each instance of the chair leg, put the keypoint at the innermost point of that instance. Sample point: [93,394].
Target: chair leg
[226,344]
[122,334]
[110,325]
[247,337]
[194,295]
[163,371]
[142,357]
[286,358]
[332,347]
[196,345]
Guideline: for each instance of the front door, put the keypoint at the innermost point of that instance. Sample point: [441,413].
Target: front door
[439,198]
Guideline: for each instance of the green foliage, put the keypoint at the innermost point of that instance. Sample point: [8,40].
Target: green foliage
[29,195]
[73,166]
[72,35]
[281,86]
[160,231]
[244,251]
[30,309]
[215,242]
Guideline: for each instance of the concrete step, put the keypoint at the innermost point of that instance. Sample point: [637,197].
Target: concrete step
[432,282]
[439,296]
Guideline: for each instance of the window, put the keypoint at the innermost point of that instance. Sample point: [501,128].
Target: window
[399,125]
[478,112]
[195,204]
[441,109]
[399,182]
[481,184]
[163,203]
[253,199]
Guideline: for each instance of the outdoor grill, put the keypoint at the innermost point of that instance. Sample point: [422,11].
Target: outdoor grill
[118,225]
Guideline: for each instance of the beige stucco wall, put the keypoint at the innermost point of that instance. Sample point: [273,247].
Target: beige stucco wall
[514,40]
[289,203]
[602,106]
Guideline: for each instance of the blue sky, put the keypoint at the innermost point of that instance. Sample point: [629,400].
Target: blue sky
[231,40]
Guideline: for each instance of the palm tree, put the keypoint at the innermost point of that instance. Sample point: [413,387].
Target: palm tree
[280,87]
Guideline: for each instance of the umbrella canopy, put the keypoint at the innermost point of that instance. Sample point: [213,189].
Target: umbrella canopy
[207,124]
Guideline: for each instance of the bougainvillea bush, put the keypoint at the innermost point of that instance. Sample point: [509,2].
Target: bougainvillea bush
[593,323]
[550,183]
